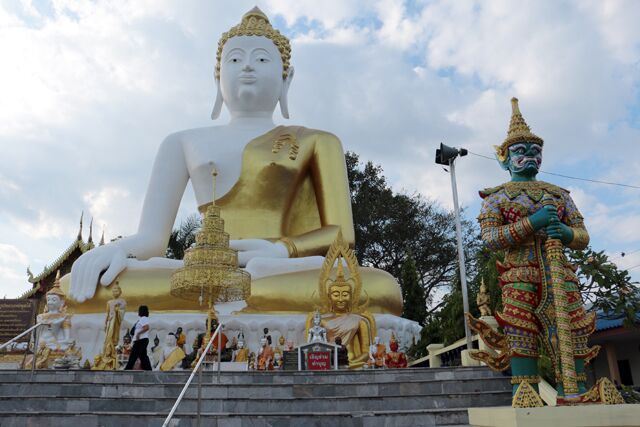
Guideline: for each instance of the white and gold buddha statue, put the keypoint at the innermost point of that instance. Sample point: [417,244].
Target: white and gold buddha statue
[284,193]
[343,306]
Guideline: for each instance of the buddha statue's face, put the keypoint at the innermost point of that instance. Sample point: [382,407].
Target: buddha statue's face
[250,74]
[525,159]
[170,340]
[316,319]
[483,288]
[393,345]
[116,291]
[340,296]
[54,303]
[281,340]
[240,344]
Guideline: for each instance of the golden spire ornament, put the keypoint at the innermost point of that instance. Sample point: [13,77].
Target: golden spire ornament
[211,268]
[518,132]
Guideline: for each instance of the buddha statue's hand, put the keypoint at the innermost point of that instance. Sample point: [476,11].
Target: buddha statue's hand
[258,248]
[87,269]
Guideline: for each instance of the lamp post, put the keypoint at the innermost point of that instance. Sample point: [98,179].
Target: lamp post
[446,155]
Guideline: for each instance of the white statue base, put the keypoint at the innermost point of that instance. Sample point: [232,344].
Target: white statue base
[88,329]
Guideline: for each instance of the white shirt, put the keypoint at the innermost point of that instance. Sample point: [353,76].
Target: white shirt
[142,321]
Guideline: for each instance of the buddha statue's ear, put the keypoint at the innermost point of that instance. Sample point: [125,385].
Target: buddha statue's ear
[284,103]
[217,106]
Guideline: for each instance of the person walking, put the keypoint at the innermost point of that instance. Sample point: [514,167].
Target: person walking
[140,333]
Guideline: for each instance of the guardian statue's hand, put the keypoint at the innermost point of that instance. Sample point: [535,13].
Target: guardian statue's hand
[543,217]
[87,269]
[258,248]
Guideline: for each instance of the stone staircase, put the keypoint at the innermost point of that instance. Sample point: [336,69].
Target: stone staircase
[407,397]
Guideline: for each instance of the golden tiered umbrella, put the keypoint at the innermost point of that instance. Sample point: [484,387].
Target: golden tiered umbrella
[211,270]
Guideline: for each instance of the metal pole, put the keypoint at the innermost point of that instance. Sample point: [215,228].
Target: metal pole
[35,352]
[219,350]
[463,268]
[199,392]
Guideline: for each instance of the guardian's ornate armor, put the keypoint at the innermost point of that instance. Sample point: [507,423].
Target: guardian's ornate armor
[524,275]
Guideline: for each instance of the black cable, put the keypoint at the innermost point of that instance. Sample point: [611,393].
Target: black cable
[567,176]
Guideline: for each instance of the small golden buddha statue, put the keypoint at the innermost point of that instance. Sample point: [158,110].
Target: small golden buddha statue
[344,315]
[172,354]
[241,354]
[116,307]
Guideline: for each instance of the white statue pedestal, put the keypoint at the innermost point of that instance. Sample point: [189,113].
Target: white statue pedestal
[88,329]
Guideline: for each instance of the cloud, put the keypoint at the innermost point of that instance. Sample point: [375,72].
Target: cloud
[91,88]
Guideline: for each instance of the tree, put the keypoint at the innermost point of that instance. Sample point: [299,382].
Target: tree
[183,237]
[604,287]
[390,225]
[414,307]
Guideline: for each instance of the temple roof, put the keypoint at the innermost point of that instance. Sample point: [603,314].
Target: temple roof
[78,245]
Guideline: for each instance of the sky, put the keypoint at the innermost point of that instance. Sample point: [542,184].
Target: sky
[88,90]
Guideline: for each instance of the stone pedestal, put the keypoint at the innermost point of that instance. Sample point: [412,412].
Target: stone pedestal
[467,360]
[565,416]
[435,361]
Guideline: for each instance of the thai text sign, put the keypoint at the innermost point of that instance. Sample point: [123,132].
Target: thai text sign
[318,360]
[16,315]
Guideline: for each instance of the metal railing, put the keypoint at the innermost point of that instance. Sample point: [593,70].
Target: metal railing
[197,368]
[34,337]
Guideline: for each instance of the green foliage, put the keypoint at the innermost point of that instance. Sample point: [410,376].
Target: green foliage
[604,287]
[414,306]
[390,225]
[183,237]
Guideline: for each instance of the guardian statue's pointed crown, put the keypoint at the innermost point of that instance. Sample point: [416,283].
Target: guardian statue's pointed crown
[518,132]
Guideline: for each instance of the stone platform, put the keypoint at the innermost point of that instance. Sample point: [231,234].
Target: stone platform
[408,397]
[561,416]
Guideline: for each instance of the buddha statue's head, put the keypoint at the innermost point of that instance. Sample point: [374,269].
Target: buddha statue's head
[521,151]
[55,297]
[170,340]
[340,292]
[281,340]
[116,291]
[252,68]
[240,344]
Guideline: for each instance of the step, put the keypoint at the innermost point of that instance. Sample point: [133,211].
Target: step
[282,377]
[257,404]
[389,418]
[209,390]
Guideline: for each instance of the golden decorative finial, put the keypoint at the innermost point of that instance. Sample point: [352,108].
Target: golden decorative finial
[256,23]
[80,231]
[214,173]
[55,289]
[518,132]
